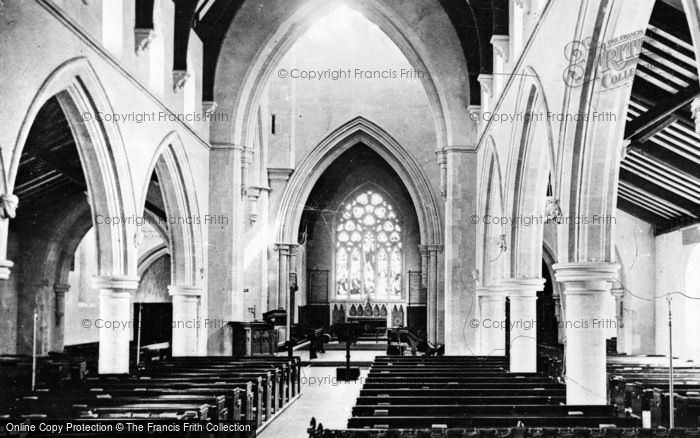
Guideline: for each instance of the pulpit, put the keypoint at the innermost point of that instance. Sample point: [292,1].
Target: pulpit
[253,338]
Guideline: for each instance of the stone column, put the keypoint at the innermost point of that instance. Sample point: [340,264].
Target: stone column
[278,178]
[492,320]
[115,308]
[423,249]
[186,321]
[619,294]
[60,291]
[286,252]
[460,251]
[559,314]
[585,286]
[523,322]
[225,254]
[8,210]
[432,285]
[246,161]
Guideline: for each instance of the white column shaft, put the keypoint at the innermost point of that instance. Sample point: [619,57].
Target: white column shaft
[115,331]
[492,325]
[523,334]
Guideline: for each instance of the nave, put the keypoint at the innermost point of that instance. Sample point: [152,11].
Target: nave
[504,194]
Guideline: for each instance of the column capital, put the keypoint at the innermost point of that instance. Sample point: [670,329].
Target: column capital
[500,45]
[5,269]
[61,289]
[119,283]
[617,292]
[486,82]
[8,206]
[441,155]
[209,106]
[180,78]
[431,247]
[247,156]
[585,277]
[142,39]
[288,249]
[279,173]
[184,290]
[523,287]
[491,292]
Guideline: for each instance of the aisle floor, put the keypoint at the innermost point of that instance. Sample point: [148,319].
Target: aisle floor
[323,397]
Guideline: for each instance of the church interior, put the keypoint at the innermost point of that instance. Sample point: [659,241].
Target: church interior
[350,218]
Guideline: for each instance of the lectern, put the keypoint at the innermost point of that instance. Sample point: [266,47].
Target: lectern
[347,332]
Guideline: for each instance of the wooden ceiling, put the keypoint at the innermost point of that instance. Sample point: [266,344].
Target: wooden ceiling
[660,174]
[49,168]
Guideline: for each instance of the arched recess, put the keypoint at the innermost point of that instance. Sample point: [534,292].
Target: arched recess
[491,228]
[255,44]
[529,166]
[102,154]
[183,223]
[358,130]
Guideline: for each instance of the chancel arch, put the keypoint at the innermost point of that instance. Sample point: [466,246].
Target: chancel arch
[419,202]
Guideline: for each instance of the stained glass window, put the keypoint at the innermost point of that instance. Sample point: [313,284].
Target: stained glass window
[368,242]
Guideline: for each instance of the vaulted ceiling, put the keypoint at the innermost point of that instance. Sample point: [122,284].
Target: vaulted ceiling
[660,174]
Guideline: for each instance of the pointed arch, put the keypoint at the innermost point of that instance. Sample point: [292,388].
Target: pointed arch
[356,131]
[532,159]
[110,191]
[429,43]
[491,205]
[184,232]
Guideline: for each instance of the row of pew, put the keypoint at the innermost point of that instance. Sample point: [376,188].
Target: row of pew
[203,389]
[467,392]
[640,384]
[318,431]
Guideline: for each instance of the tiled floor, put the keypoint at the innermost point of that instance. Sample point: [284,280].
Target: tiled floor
[323,397]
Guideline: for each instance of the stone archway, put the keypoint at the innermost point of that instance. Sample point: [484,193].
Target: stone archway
[305,176]
[184,242]
[529,166]
[253,47]
[110,194]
